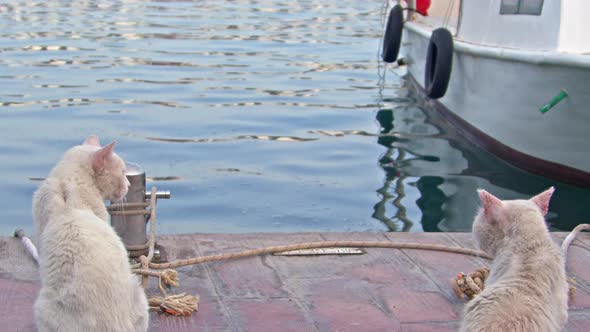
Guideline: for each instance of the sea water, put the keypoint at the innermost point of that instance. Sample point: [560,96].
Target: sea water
[271,116]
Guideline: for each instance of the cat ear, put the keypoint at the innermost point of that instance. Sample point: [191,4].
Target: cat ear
[92,140]
[101,157]
[542,200]
[490,202]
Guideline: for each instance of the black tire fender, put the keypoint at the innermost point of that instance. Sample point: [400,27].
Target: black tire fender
[393,34]
[439,63]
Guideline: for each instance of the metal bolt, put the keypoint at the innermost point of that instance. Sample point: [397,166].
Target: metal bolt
[159,194]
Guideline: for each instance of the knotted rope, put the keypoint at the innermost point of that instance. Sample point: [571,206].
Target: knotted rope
[177,305]
[183,304]
[470,284]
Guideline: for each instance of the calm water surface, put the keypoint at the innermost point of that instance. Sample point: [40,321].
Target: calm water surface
[263,115]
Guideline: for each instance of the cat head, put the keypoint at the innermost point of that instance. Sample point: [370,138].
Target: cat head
[498,219]
[108,169]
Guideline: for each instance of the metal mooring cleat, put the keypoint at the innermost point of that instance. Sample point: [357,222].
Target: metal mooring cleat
[129,218]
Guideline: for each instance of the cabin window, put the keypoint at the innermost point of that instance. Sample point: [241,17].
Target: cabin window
[521,7]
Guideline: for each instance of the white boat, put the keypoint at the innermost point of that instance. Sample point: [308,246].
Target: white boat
[519,83]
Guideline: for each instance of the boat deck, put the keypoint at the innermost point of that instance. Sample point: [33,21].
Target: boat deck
[381,290]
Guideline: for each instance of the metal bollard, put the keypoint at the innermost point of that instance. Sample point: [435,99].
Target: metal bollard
[130,226]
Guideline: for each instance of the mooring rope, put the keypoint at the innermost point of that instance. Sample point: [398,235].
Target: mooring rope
[152,239]
[470,284]
[176,305]
[315,245]
[184,304]
[123,206]
[140,268]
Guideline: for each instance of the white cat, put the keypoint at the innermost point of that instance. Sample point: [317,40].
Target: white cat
[527,287]
[86,279]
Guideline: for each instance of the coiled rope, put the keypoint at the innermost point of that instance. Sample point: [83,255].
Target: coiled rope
[470,284]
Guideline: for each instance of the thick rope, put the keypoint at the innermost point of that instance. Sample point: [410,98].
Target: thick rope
[176,305]
[129,213]
[144,265]
[152,239]
[307,245]
[123,206]
[183,304]
[470,284]
[315,245]
[167,278]
[137,247]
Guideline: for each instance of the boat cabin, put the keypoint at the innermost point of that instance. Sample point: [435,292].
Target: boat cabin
[536,25]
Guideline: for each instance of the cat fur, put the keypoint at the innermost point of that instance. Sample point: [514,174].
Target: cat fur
[527,287]
[86,279]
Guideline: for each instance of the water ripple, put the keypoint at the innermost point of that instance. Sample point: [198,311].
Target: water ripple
[51,103]
[95,63]
[58,86]
[43,48]
[228,139]
[137,80]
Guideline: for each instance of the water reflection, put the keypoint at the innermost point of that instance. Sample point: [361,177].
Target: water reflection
[446,170]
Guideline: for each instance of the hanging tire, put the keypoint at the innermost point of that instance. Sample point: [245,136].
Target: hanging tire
[439,62]
[393,34]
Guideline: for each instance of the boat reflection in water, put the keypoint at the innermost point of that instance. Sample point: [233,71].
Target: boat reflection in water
[432,174]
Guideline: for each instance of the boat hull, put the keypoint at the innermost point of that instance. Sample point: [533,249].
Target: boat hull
[494,100]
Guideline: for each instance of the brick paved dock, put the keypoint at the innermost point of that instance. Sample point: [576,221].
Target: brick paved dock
[381,290]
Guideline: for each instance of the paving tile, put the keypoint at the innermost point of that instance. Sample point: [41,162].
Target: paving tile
[382,290]
[430,327]
[333,315]
[578,321]
[348,305]
[442,267]
[16,305]
[271,314]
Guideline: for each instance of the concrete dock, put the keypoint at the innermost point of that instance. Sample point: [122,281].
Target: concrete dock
[381,290]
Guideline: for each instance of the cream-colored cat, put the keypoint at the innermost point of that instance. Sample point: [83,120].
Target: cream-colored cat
[86,280]
[527,288]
